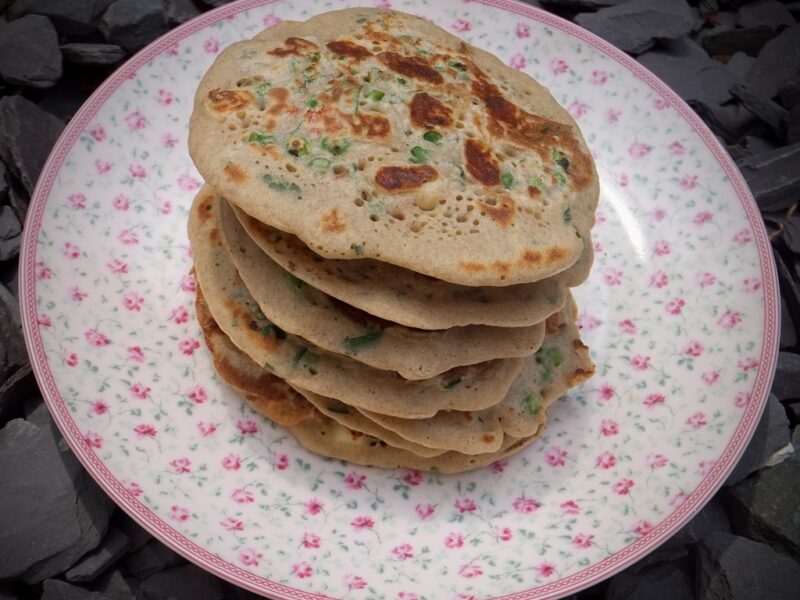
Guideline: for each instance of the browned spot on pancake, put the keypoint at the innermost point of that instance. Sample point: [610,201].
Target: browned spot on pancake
[552,324]
[501,267]
[234,173]
[327,119]
[279,97]
[427,111]
[369,124]
[531,257]
[241,315]
[355,435]
[467,416]
[497,106]
[287,411]
[347,48]
[533,191]
[531,131]
[472,267]
[579,345]
[206,209]
[332,222]
[555,253]
[339,90]
[502,213]
[480,163]
[270,124]
[223,101]
[487,438]
[270,150]
[294,46]
[405,178]
[410,66]
[579,376]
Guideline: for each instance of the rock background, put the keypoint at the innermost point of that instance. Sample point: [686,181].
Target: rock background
[736,62]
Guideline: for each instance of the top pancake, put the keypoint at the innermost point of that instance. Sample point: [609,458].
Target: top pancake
[375,134]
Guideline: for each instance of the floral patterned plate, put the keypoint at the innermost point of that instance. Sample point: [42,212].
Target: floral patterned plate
[680,313]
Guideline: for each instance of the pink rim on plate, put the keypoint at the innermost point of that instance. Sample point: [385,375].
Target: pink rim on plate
[723,342]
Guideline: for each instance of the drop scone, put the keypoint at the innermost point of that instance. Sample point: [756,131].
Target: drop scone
[376,134]
[385,247]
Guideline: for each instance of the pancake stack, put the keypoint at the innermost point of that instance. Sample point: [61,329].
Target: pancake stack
[385,245]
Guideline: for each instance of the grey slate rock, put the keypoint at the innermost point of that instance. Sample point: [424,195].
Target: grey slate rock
[182,583]
[65,99]
[728,122]
[712,517]
[151,558]
[99,7]
[10,233]
[133,24]
[765,507]
[114,586]
[791,233]
[215,3]
[634,26]
[789,93]
[736,151]
[768,112]
[793,126]
[113,547]
[788,331]
[3,181]
[70,17]
[692,78]
[672,553]
[54,589]
[758,145]
[136,534]
[92,54]
[739,65]
[178,12]
[13,391]
[776,63]
[773,177]
[683,48]
[27,134]
[12,345]
[770,13]
[29,53]
[786,384]
[790,291]
[729,566]
[11,590]
[722,40]
[661,582]
[771,434]
[53,512]
[36,412]
[18,198]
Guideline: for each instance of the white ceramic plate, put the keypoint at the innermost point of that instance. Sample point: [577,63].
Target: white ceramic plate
[680,313]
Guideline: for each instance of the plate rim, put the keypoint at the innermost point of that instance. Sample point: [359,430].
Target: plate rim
[195,553]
